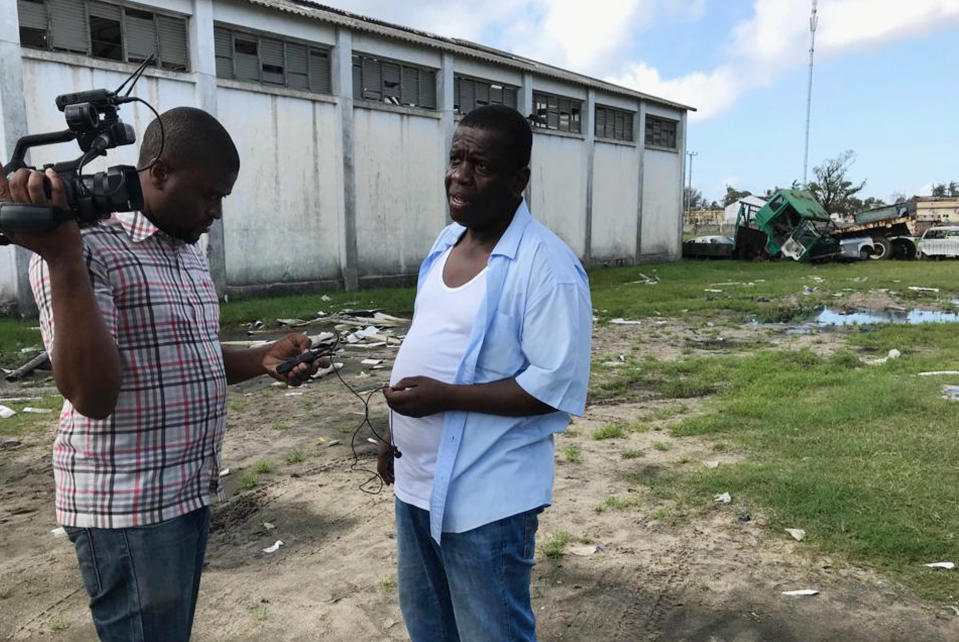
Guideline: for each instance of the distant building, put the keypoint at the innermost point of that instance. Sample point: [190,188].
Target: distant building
[343,124]
[732,210]
[704,217]
[937,209]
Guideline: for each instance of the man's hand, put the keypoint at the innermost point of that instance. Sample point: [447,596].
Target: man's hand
[26,186]
[290,346]
[384,462]
[418,396]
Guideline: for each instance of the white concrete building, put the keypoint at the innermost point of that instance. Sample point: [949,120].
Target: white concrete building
[343,125]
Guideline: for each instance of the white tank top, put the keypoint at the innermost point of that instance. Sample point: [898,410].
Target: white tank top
[434,347]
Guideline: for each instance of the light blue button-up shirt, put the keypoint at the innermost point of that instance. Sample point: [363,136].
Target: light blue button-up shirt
[535,324]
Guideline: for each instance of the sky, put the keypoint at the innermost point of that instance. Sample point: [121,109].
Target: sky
[884,85]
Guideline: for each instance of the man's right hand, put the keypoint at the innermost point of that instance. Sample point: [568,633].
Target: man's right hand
[384,462]
[26,186]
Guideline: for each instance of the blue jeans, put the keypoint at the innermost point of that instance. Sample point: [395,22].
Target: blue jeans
[475,587]
[143,581]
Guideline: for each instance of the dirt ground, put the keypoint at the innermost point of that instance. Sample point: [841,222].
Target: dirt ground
[710,577]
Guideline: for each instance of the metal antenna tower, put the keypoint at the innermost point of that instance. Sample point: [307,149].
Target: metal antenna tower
[813,22]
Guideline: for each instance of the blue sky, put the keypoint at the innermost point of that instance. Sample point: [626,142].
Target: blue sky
[884,85]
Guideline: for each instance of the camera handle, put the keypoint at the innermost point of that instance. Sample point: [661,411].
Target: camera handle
[30,219]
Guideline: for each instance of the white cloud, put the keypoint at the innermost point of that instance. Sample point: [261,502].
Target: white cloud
[755,52]
[776,38]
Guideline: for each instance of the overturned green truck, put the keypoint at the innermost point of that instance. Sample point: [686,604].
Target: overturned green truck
[792,224]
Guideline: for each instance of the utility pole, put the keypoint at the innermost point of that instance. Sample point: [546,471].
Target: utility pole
[689,190]
[813,23]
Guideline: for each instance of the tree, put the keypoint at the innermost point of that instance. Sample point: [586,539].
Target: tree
[733,195]
[872,202]
[953,188]
[694,199]
[897,197]
[832,189]
[769,192]
[939,189]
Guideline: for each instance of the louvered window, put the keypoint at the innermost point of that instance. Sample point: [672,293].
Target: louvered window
[246,56]
[661,132]
[104,30]
[393,82]
[557,112]
[470,93]
[616,124]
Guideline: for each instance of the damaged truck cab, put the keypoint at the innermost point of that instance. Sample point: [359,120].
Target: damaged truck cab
[792,224]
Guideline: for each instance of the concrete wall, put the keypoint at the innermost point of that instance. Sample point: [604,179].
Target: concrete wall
[280,223]
[330,191]
[557,191]
[615,201]
[400,204]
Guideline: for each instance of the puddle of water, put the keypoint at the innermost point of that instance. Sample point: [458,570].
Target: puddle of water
[829,317]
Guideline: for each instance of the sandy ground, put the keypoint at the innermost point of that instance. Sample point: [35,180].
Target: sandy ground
[709,577]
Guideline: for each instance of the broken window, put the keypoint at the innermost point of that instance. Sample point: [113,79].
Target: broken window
[470,93]
[103,30]
[246,56]
[393,82]
[661,132]
[557,112]
[616,124]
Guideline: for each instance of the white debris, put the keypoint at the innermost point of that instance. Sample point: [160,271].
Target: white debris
[818,279]
[293,394]
[325,298]
[801,592]
[58,532]
[798,534]
[37,411]
[322,372]
[224,472]
[620,321]
[268,526]
[942,566]
[276,546]
[893,354]
[584,550]
[371,362]
[915,288]
[334,442]
[359,335]
[951,393]
[713,290]
[938,373]
[722,498]
[30,349]
[6,413]
[613,364]
[711,464]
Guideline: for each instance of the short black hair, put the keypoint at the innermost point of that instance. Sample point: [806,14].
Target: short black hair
[191,137]
[508,122]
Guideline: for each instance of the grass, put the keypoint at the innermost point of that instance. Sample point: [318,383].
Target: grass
[396,301]
[613,502]
[295,456]
[572,455]
[631,453]
[4,592]
[661,446]
[250,480]
[261,614]
[612,431]
[25,423]
[555,544]
[263,468]
[388,583]
[59,623]
[863,458]
[280,426]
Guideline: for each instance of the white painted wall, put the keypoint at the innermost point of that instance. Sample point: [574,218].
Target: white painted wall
[400,204]
[280,223]
[558,187]
[615,201]
[662,173]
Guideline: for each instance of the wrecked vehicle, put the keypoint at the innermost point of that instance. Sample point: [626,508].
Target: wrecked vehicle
[940,242]
[792,224]
[708,247]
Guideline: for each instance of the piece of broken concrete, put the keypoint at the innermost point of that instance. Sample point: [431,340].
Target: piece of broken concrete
[621,321]
[59,531]
[722,498]
[6,413]
[798,534]
[711,464]
[938,373]
[276,546]
[584,550]
[38,411]
[942,566]
[224,472]
[801,592]
[951,393]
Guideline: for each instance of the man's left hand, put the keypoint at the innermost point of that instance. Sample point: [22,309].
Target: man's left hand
[418,396]
[290,346]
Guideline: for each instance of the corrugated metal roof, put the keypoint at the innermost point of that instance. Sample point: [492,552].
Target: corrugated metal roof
[316,11]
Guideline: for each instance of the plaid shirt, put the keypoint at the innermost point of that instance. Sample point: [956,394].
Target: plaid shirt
[158,455]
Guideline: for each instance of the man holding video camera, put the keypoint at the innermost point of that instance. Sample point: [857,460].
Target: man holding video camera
[130,319]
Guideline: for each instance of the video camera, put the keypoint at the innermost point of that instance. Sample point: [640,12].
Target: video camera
[93,121]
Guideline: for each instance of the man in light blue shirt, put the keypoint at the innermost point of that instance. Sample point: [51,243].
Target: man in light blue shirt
[480,386]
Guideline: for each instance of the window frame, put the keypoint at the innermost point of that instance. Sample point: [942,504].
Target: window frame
[162,62]
[629,125]
[311,51]
[490,84]
[363,63]
[651,119]
[554,104]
